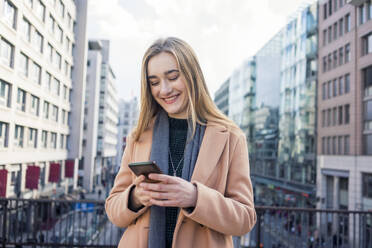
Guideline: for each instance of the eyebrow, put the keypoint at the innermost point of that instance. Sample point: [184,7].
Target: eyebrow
[165,73]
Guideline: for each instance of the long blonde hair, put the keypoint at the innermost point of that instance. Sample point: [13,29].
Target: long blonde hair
[200,108]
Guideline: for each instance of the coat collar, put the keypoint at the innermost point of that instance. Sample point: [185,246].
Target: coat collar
[212,146]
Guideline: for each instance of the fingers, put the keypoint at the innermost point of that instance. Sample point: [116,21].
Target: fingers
[165,178]
[139,179]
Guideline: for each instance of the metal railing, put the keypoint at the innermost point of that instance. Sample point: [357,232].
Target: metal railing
[63,223]
[55,223]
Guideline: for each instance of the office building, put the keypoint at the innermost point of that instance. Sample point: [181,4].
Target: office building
[221,97]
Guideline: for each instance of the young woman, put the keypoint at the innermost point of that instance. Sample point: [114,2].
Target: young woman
[205,194]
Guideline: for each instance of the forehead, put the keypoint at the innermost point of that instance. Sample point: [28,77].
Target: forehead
[161,63]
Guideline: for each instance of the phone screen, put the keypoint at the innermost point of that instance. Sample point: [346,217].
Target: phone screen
[145,168]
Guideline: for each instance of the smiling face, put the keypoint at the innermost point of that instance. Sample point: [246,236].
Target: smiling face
[167,84]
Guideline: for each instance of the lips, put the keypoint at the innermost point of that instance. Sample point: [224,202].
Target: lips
[170,100]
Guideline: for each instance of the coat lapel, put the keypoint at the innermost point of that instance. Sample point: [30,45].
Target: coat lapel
[212,146]
[143,146]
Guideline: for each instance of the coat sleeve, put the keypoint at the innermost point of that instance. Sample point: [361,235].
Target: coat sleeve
[117,202]
[233,212]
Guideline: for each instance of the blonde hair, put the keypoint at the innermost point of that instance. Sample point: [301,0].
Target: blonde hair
[200,108]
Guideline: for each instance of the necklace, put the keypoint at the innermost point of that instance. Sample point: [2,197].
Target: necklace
[179,163]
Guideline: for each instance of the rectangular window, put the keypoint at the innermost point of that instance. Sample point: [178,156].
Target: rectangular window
[18,136]
[44,139]
[334,116]
[330,9]
[35,102]
[367,185]
[66,68]
[32,137]
[329,89]
[341,27]
[329,117]
[50,52]
[330,61]
[347,114]
[367,145]
[61,9]
[340,115]
[5,93]
[40,10]
[325,12]
[347,144]
[4,129]
[52,24]
[367,44]
[56,86]
[323,118]
[46,110]
[347,53]
[347,23]
[23,64]
[60,34]
[369,10]
[334,88]
[26,29]
[324,37]
[57,60]
[341,85]
[335,61]
[21,100]
[347,83]
[334,145]
[323,145]
[53,140]
[6,53]
[329,34]
[362,14]
[36,73]
[55,113]
[335,29]
[63,116]
[37,41]
[341,56]
[324,91]
[368,110]
[328,145]
[62,141]
[325,64]
[340,144]
[341,3]
[335,5]
[48,81]
[65,92]
[9,13]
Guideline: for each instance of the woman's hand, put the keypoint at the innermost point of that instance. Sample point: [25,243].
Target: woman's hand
[139,197]
[170,192]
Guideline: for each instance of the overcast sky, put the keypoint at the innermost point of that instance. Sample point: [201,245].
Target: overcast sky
[223,33]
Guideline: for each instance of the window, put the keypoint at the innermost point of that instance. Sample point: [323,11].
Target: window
[37,41]
[325,12]
[35,105]
[23,64]
[341,3]
[329,89]
[330,9]
[50,52]
[367,145]
[63,116]
[329,34]
[347,53]
[26,29]
[329,61]
[62,141]
[335,29]
[347,145]
[66,68]
[367,44]
[32,138]
[65,92]
[347,83]
[36,73]
[334,116]
[67,44]
[323,118]
[335,61]
[21,100]
[367,185]
[52,24]
[18,136]
[340,115]
[341,56]
[4,127]
[323,145]
[369,10]
[46,110]
[60,34]
[55,113]
[334,145]
[5,93]
[334,87]
[53,140]
[341,85]
[362,14]
[69,20]
[340,144]
[324,37]
[324,91]
[55,86]
[325,64]
[328,145]
[57,60]
[329,117]
[347,114]
[347,23]
[6,53]
[9,13]
[341,27]
[48,81]
[61,9]
[40,10]
[44,139]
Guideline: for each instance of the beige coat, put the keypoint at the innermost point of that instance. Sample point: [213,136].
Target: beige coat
[224,204]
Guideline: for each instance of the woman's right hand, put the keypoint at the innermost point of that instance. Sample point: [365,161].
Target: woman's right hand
[140,199]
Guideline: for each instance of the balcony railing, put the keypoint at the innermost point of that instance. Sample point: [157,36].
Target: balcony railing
[62,223]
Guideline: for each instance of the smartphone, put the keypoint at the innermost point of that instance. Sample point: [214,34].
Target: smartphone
[145,168]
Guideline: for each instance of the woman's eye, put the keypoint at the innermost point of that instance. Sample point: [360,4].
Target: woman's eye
[154,83]
[173,78]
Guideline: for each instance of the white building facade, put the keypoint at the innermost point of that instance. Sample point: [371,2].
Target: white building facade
[40,76]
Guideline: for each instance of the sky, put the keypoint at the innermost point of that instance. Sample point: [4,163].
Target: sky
[223,33]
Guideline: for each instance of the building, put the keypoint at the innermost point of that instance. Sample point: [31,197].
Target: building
[297,111]
[100,118]
[42,71]
[344,175]
[128,116]
[221,97]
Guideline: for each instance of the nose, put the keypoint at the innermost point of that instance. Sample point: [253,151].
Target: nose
[165,88]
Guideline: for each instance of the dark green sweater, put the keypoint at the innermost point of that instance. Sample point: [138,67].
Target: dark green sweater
[177,141]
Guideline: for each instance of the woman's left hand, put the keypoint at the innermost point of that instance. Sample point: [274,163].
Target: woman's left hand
[170,191]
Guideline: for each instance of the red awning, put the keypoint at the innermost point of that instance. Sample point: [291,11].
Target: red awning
[69,168]
[32,177]
[3,181]
[54,172]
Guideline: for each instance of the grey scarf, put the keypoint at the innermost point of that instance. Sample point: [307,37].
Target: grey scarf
[159,153]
